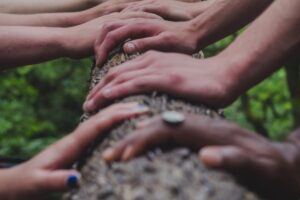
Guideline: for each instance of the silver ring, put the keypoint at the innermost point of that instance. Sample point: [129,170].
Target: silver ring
[173,117]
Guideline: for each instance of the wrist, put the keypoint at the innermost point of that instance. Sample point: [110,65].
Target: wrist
[59,41]
[290,151]
[74,44]
[238,69]
[228,83]
[294,141]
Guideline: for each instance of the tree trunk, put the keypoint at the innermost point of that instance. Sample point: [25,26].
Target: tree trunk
[172,173]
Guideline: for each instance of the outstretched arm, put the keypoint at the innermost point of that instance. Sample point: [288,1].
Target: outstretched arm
[38,6]
[64,19]
[21,45]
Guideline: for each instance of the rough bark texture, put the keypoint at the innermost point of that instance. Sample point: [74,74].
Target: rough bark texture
[166,174]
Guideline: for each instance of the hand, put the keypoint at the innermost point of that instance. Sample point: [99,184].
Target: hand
[152,33]
[168,9]
[203,81]
[104,8]
[271,167]
[78,41]
[49,171]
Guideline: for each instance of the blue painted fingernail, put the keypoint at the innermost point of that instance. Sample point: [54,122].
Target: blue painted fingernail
[73,181]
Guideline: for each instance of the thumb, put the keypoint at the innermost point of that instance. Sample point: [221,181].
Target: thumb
[59,180]
[227,157]
[142,45]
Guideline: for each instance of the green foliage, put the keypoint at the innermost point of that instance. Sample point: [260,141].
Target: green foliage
[38,104]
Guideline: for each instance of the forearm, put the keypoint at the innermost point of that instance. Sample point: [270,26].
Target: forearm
[47,19]
[223,17]
[30,45]
[4,184]
[38,6]
[264,46]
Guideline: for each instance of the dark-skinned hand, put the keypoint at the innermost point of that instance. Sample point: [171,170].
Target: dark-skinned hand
[273,168]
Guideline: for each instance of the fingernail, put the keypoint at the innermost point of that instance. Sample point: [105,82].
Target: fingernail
[127,153]
[142,124]
[108,154]
[130,47]
[89,105]
[107,93]
[73,181]
[139,108]
[211,157]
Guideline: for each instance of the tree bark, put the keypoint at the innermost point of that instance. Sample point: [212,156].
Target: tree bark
[163,173]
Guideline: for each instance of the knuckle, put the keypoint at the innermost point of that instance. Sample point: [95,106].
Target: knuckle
[141,84]
[122,78]
[109,25]
[111,39]
[111,75]
[174,78]
[168,37]
[106,26]
[151,54]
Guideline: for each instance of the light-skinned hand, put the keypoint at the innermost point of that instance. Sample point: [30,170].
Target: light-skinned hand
[50,170]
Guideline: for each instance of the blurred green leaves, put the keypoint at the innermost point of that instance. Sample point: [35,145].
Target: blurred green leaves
[38,104]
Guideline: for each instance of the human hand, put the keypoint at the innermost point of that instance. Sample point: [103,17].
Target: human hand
[151,33]
[78,41]
[105,8]
[202,81]
[271,168]
[49,171]
[169,9]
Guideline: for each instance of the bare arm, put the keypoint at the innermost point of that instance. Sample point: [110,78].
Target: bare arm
[264,46]
[224,17]
[25,45]
[41,6]
[64,19]
[219,18]
[21,45]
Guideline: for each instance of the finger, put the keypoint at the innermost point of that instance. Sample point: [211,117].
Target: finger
[236,160]
[129,76]
[58,181]
[106,28]
[229,157]
[139,141]
[139,85]
[142,45]
[113,38]
[140,15]
[114,72]
[64,152]
[95,97]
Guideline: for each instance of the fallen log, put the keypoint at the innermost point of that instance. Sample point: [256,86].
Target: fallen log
[160,174]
